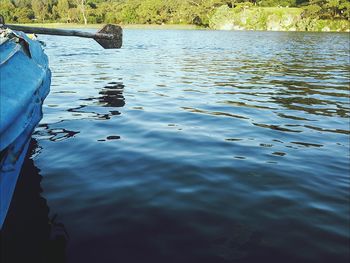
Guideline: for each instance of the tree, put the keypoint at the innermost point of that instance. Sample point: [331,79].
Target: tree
[22,3]
[333,5]
[128,12]
[81,5]
[7,9]
[344,8]
[197,12]
[284,3]
[312,11]
[153,12]
[62,10]
[40,8]
[23,15]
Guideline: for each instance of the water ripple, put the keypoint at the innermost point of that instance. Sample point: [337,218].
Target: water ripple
[200,146]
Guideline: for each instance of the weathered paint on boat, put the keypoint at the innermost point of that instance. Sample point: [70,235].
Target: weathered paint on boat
[24,83]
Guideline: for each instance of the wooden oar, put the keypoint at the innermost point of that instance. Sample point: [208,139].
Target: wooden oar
[110,36]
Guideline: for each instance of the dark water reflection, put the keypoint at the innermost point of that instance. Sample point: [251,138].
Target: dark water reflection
[28,234]
[46,131]
[200,146]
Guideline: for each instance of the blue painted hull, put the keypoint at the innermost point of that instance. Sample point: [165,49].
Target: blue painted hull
[24,83]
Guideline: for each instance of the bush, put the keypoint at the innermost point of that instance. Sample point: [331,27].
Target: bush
[273,18]
[312,11]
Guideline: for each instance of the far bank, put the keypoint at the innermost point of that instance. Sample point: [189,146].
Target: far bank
[273,19]
[323,26]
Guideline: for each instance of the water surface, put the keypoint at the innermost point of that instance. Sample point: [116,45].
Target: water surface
[199,146]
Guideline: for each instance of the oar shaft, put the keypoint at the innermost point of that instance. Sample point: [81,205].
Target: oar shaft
[60,32]
[110,36]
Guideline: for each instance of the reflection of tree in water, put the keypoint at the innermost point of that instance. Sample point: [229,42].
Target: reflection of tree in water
[111,97]
[28,235]
[294,90]
[299,96]
[54,134]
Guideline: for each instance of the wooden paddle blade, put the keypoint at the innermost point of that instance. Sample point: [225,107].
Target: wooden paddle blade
[110,36]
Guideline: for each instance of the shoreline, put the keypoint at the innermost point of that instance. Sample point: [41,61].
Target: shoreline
[159,27]
[126,26]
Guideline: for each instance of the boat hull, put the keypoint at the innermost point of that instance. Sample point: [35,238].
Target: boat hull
[24,83]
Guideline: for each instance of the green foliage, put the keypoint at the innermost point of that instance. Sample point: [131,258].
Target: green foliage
[330,9]
[128,12]
[236,14]
[7,9]
[152,12]
[333,5]
[23,15]
[273,3]
[312,11]
[274,18]
[344,8]
[62,9]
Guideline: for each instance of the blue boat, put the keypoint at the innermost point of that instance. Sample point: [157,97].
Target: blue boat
[25,80]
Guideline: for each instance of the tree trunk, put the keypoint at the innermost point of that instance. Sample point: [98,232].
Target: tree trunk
[83,11]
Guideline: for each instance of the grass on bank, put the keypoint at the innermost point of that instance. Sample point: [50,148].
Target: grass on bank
[98,26]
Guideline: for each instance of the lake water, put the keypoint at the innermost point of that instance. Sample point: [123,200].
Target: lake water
[195,146]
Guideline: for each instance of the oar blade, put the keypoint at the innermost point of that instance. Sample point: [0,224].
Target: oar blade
[115,39]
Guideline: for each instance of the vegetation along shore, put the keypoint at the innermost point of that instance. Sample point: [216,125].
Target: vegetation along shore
[275,15]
